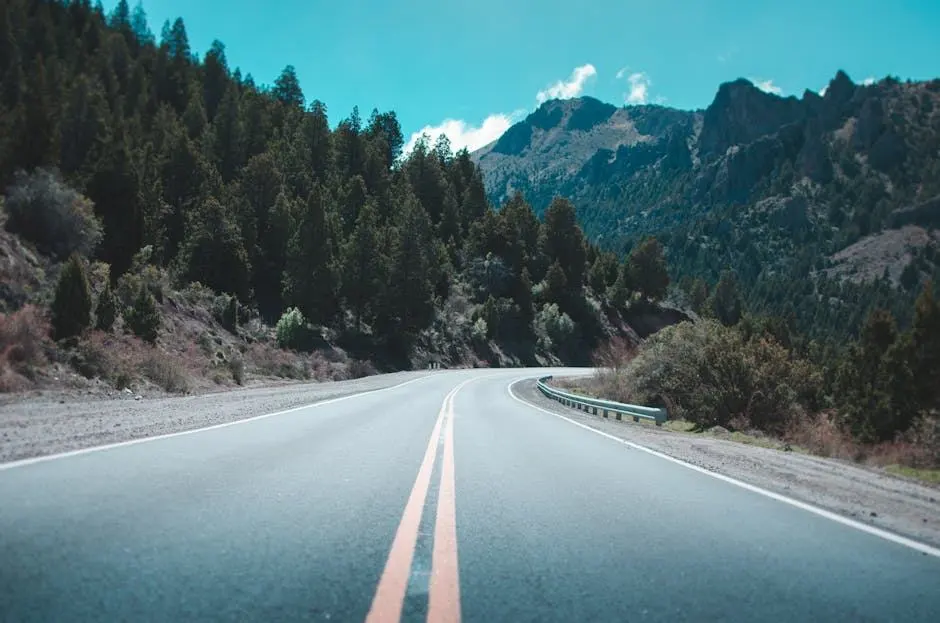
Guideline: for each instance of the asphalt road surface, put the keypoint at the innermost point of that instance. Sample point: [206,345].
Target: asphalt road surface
[442,499]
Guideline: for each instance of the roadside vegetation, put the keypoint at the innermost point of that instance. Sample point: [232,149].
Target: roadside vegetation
[754,380]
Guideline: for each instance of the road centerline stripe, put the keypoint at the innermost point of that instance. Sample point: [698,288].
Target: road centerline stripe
[389,599]
[390,594]
[444,594]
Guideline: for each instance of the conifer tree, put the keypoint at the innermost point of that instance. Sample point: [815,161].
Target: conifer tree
[71,306]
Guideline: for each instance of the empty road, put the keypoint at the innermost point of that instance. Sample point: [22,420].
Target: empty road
[442,499]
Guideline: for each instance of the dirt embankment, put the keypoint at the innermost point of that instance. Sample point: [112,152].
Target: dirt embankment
[864,494]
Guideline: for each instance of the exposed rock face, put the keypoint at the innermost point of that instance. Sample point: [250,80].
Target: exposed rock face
[837,167]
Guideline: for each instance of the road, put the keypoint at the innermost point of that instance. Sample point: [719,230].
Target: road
[442,499]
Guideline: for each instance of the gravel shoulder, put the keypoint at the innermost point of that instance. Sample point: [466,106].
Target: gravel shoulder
[866,495]
[39,426]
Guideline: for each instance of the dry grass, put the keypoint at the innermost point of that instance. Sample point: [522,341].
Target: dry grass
[124,360]
[267,360]
[165,371]
[23,342]
[820,434]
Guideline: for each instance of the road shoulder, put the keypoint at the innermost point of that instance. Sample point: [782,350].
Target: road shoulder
[881,500]
[41,427]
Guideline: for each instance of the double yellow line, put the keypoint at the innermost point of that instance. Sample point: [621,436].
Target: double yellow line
[444,590]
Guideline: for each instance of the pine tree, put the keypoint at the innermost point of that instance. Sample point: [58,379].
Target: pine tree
[363,266]
[311,279]
[272,258]
[556,284]
[213,252]
[319,140]
[287,88]
[85,131]
[71,306]
[622,290]
[139,25]
[216,78]
[229,136]
[37,143]
[926,348]
[143,317]
[412,274]
[648,273]
[106,309]
[563,242]
[726,300]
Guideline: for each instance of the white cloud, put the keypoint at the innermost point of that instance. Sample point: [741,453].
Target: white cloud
[621,73]
[870,80]
[570,88]
[823,90]
[768,86]
[462,134]
[639,88]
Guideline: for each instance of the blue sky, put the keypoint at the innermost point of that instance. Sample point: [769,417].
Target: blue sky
[471,67]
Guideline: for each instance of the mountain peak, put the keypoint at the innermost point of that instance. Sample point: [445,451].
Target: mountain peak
[741,113]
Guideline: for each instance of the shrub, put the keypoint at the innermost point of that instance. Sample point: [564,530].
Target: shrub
[925,435]
[553,328]
[479,330]
[142,272]
[71,307]
[57,219]
[237,366]
[143,317]
[291,330]
[270,361]
[23,337]
[165,372]
[710,375]
[111,358]
[359,369]
[106,310]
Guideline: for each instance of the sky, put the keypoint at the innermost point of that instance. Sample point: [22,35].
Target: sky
[471,68]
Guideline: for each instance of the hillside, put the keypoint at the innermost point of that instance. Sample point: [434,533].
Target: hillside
[164,212]
[780,189]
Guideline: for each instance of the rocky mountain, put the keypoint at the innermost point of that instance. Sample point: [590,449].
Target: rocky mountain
[813,201]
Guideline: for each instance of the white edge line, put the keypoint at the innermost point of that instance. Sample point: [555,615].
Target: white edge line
[131,442]
[884,534]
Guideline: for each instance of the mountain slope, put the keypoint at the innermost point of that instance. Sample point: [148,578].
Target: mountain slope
[772,187]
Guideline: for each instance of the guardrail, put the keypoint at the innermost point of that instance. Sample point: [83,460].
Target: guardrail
[604,407]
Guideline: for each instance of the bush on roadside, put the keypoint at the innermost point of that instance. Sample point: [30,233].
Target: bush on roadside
[358,369]
[266,360]
[165,372]
[291,330]
[710,375]
[111,358]
[237,366]
[23,340]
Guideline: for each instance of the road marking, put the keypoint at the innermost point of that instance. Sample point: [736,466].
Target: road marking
[390,593]
[884,534]
[131,442]
[444,594]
